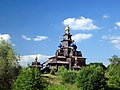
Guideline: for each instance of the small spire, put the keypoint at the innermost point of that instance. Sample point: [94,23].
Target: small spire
[67,29]
[36,58]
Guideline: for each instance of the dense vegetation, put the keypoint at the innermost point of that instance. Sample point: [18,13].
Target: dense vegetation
[9,66]
[91,77]
[29,79]
[94,76]
[67,76]
[113,72]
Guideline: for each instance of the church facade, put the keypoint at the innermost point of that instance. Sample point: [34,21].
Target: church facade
[67,54]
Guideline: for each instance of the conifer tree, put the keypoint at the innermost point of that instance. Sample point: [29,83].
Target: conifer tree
[29,79]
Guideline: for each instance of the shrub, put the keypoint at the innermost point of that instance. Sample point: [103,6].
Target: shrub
[61,69]
[67,76]
[91,78]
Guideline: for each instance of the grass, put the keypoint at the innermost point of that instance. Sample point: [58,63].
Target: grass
[62,87]
[52,79]
[55,83]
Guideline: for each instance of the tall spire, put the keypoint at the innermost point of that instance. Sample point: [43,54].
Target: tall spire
[67,29]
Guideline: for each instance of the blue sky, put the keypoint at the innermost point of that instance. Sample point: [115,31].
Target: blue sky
[35,27]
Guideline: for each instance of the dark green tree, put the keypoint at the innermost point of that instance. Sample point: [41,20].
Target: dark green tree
[29,79]
[91,77]
[113,71]
[98,64]
[9,66]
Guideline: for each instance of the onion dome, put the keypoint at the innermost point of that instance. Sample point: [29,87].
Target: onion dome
[74,46]
[60,45]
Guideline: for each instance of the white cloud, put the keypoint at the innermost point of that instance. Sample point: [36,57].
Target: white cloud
[115,40]
[5,37]
[106,16]
[81,23]
[81,36]
[117,25]
[28,59]
[25,37]
[37,38]
[40,38]
[106,37]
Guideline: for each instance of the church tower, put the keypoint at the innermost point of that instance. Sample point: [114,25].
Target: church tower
[67,54]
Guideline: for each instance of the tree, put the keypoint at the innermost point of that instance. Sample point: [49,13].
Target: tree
[98,64]
[91,77]
[114,71]
[67,76]
[29,79]
[9,66]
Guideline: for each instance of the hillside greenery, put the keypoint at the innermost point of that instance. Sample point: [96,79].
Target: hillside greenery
[93,76]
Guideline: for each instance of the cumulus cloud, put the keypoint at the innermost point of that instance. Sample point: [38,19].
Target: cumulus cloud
[25,37]
[5,37]
[117,25]
[81,23]
[115,40]
[28,59]
[81,36]
[37,38]
[40,38]
[106,16]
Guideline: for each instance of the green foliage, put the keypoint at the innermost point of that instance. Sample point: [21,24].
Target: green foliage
[113,71]
[61,69]
[91,78]
[63,87]
[98,64]
[9,66]
[29,79]
[112,87]
[67,76]
[56,87]
[52,72]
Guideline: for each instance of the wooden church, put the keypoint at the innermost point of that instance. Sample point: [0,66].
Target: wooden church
[67,55]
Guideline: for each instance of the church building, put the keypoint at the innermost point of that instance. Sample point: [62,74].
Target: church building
[67,55]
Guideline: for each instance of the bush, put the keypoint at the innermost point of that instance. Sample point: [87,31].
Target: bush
[61,69]
[91,78]
[67,76]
